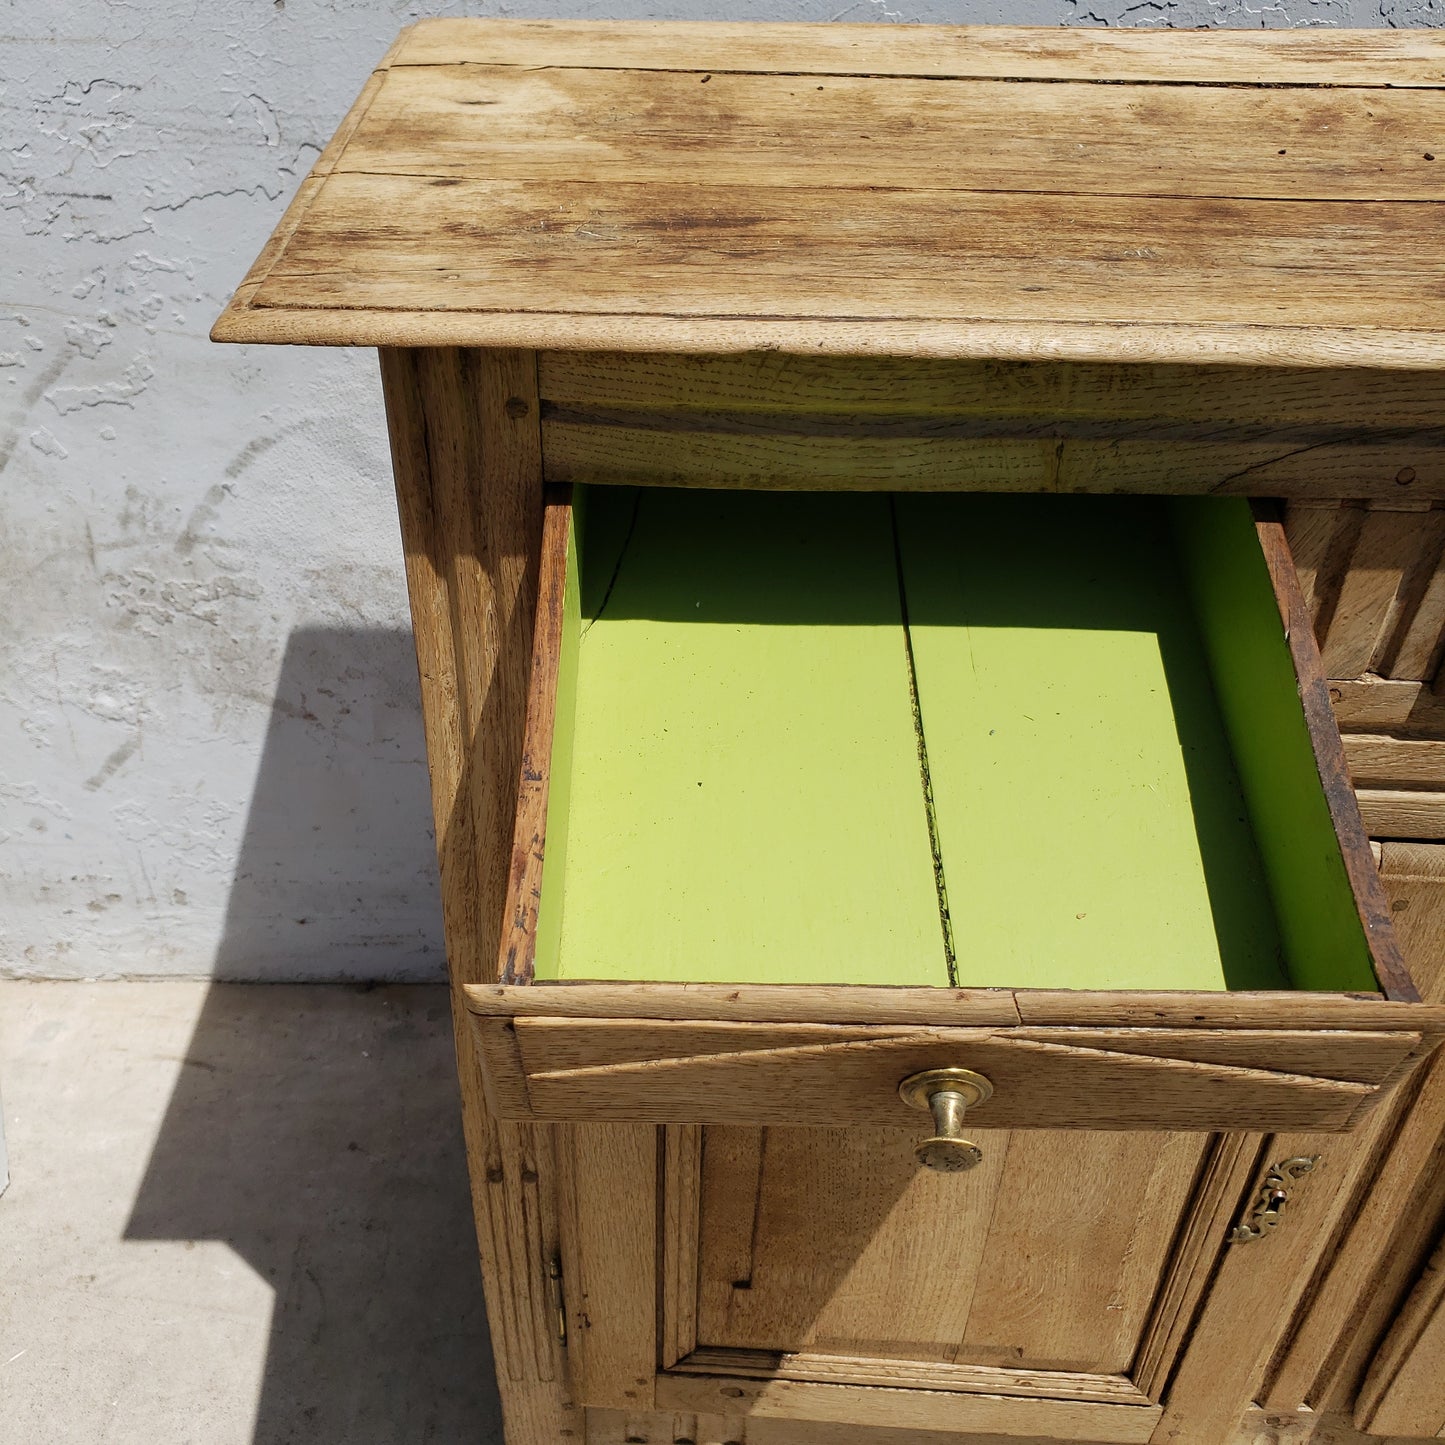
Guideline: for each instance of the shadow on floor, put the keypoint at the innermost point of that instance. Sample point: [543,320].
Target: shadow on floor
[316,1128]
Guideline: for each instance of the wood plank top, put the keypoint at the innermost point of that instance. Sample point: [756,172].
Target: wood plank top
[1261,198]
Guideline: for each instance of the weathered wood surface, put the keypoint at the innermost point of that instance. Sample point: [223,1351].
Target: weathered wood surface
[994,1303]
[660,1072]
[1346,810]
[466,454]
[1409,709]
[1303,57]
[524,877]
[1366,1277]
[631,124]
[549,1045]
[1414,878]
[887,1372]
[576,186]
[1373,578]
[1404,1392]
[949,1008]
[484,245]
[909,1410]
[612,1264]
[1257,1288]
[820,422]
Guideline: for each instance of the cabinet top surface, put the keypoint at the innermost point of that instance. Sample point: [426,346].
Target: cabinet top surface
[1275,198]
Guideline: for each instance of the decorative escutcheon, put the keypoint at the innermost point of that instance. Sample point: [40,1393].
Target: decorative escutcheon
[946,1094]
[1271,1198]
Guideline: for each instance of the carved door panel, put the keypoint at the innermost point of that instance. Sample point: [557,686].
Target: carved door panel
[818,1274]
[832,1254]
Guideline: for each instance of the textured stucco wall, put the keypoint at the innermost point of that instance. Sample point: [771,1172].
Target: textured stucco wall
[209,753]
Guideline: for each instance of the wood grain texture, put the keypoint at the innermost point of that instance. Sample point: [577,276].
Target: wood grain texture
[650,126]
[752,1003]
[765,1430]
[1069,460]
[1352,1303]
[501,246]
[1036,1299]
[1365,612]
[517,959]
[553,1045]
[1414,879]
[1402,813]
[897,394]
[516,1165]
[577,180]
[951,1008]
[907,1374]
[909,1409]
[1362,1057]
[612,1285]
[770,1280]
[1384,348]
[1334,57]
[1365,1279]
[1235,1010]
[1036,1085]
[1257,1288]
[672,1427]
[814,422]
[1382,761]
[1313,528]
[681,1226]
[1400,706]
[468,480]
[897,1267]
[1230,1162]
[504,1076]
[1324,1428]
[1404,1392]
[1346,811]
[1372,577]
[1416,648]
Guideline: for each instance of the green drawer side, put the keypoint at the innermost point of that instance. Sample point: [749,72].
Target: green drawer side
[1323,941]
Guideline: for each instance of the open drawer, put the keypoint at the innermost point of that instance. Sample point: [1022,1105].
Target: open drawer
[821,792]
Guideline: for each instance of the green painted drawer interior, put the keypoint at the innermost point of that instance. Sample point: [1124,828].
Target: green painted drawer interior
[933,739]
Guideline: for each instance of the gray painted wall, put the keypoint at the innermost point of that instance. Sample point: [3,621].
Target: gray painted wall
[210,759]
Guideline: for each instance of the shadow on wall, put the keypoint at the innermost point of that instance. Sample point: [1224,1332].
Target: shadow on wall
[316,1129]
[336,876]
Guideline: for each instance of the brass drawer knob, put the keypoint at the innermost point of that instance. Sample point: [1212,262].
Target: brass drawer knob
[946,1094]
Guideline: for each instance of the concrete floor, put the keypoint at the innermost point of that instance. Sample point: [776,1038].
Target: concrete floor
[237,1216]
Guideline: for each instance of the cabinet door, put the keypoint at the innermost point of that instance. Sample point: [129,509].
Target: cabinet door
[1404,1392]
[819,1274]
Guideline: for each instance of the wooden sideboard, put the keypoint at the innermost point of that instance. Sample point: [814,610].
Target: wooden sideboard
[891,260]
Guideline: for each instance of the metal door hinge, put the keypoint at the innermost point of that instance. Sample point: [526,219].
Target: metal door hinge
[559,1301]
[1264,1214]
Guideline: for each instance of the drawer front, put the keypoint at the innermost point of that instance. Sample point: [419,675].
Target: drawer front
[660,1071]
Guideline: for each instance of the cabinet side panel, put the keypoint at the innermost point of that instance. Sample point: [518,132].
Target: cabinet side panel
[467,459]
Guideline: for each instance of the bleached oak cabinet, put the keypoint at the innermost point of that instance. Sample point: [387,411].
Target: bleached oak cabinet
[897,520]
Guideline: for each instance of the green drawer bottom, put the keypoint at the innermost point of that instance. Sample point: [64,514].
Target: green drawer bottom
[932,739]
